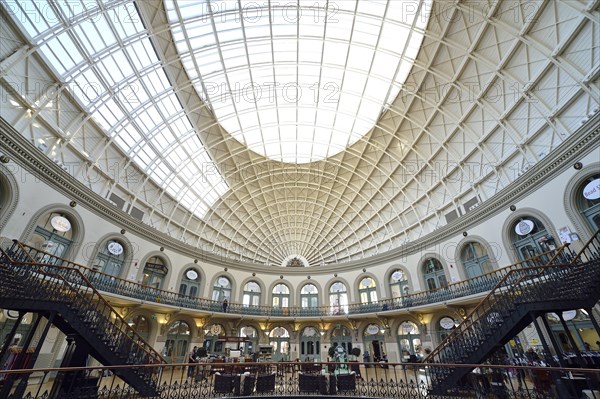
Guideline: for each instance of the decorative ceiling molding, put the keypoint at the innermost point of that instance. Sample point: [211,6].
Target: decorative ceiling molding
[583,142]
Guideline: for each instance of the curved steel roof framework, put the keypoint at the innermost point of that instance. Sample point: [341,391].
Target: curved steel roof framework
[128,107]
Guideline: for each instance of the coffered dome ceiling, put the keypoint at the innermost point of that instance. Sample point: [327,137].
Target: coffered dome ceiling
[318,130]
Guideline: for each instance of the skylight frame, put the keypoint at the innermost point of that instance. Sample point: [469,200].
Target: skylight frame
[69,43]
[205,37]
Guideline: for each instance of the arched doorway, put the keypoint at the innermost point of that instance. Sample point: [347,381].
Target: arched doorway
[445,327]
[433,274]
[367,290]
[310,344]
[155,272]
[252,294]
[338,298]
[190,283]
[281,298]
[53,234]
[214,338]
[178,341]
[342,336]
[141,326]
[475,259]
[530,237]
[279,339]
[110,258]
[409,341]
[251,341]
[309,296]
[221,289]
[398,286]
[374,342]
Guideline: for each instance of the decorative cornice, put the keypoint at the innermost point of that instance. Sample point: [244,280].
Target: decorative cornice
[571,150]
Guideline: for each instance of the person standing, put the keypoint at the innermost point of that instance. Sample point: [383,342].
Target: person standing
[225,305]
[192,359]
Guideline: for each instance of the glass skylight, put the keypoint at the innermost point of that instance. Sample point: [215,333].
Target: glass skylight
[298,81]
[103,54]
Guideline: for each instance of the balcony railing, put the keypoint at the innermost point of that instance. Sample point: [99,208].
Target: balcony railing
[114,285]
[295,379]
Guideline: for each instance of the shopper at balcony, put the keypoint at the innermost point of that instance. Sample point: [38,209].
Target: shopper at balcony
[225,305]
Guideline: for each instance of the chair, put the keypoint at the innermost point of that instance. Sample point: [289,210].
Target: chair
[265,383]
[248,385]
[346,382]
[312,383]
[223,383]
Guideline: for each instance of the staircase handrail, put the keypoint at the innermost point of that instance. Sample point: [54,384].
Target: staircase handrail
[589,243]
[462,328]
[454,290]
[123,327]
[468,320]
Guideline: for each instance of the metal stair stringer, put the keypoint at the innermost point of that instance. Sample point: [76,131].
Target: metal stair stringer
[507,310]
[39,288]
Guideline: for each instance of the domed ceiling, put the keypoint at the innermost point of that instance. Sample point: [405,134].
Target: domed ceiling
[314,130]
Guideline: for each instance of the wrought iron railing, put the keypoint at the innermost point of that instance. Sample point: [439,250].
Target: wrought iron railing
[291,379]
[25,280]
[116,285]
[561,283]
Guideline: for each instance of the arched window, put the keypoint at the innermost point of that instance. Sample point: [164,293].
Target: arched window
[178,339]
[221,289]
[338,298]
[367,290]
[141,326]
[155,272]
[588,201]
[530,237]
[190,283]
[310,344]
[110,258]
[409,341]
[475,259]
[433,273]
[252,294]
[281,296]
[279,340]
[309,296]
[399,285]
[53,234]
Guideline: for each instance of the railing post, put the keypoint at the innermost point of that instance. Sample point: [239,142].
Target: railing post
[25,379]
[593,320]
[20,360]
[571,340]
[10,337]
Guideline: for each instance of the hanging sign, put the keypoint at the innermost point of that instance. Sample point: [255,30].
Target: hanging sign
[591,190]
[115,248]
[372,329]
[223,282]
[60,223]
[407,327]
[524,227]
[447,323]
[191,274]
[569,315]
[398,275]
